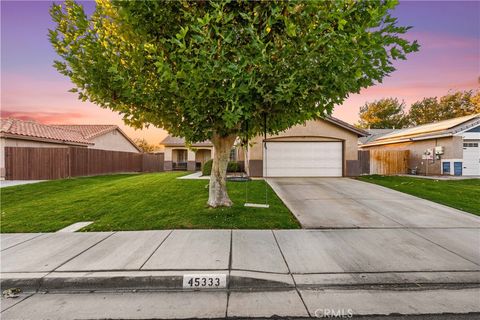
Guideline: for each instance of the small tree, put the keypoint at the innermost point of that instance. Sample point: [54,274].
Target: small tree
[210,69]
[144,145]
[383,113]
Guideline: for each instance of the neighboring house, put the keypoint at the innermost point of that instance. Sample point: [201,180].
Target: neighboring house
[320,148]
[20,133]
[450,147]
[105,137]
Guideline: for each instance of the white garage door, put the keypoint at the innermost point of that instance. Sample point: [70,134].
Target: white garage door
[471,157]
[303,159]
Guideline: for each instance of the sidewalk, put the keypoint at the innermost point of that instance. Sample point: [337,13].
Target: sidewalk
[279,272]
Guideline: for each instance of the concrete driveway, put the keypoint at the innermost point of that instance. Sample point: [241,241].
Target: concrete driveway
[348,203]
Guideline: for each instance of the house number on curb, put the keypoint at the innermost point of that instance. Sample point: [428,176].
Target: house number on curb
[204,281]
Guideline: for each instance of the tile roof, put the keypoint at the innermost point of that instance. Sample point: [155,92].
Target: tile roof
[89,131]
[33,129]
[427,131]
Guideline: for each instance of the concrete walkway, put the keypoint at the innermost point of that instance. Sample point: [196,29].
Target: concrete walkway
[281,272]
[194,176]
[11,183]
[348,203]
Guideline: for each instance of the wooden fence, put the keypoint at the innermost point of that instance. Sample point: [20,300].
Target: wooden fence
[384,162]
[59,163]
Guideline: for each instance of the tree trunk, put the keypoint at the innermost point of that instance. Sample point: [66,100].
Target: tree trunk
[217,195]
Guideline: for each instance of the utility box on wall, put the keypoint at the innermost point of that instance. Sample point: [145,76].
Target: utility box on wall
[439,150]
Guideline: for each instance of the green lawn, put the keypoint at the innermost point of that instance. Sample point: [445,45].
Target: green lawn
[459,194]
[136,202]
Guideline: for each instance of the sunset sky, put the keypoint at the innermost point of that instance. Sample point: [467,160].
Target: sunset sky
[449,59]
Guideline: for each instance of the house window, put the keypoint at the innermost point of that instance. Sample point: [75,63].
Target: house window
[233,154]
[470,145]
[181,155]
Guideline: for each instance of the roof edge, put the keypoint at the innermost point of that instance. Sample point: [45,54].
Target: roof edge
[346,125]
[472,119]
[410,139]
[126,137]
[31,138]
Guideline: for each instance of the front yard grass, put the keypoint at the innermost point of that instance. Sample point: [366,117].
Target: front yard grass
[460,194]
[136,202]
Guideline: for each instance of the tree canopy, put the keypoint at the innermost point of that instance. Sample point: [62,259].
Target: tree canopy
[219,69]
[390,113]
[424,111]
[210,67]
[383,113]
[452,105]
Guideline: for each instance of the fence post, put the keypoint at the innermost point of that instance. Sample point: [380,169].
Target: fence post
[69,162]
[6,163]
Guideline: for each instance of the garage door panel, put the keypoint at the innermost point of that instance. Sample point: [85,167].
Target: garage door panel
[303,159]
[471,157]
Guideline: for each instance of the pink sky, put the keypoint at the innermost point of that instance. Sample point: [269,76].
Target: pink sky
[31,89]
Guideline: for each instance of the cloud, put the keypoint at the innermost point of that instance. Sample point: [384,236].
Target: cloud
[42,117]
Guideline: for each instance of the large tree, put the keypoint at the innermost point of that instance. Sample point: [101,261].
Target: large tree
[212,69]
[383,113]
[452,105]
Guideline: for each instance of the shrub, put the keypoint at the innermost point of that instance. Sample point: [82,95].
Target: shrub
[231,167]
[207,167]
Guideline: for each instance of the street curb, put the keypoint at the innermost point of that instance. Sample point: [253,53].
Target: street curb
[237,280]
[137,280]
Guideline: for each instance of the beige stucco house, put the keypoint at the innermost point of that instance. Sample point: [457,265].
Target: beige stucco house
[321,148]
[20,133]
[450,147]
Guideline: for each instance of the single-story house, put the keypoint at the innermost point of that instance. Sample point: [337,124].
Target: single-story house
[319,148]
[20,133]
[449,147]
[104,137]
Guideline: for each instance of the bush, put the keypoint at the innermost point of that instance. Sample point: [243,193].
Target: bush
[231,167]
[207,167]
